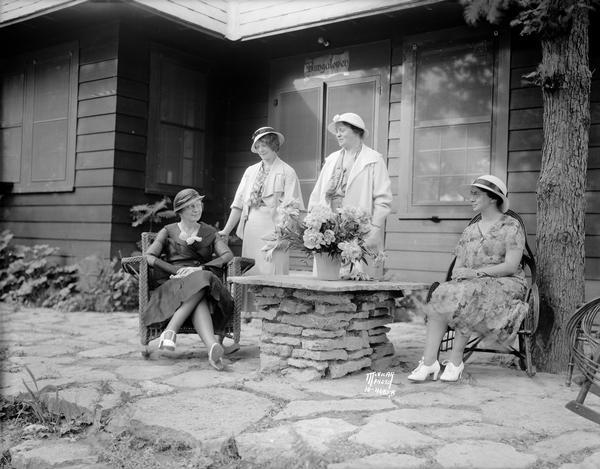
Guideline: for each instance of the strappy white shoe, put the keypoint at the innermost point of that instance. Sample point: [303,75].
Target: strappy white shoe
[167,340]
[215,355]
[422,372]
[452,372]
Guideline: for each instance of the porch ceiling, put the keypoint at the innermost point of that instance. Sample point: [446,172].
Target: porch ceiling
[229,19]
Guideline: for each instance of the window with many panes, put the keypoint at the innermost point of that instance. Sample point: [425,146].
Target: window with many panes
[454,121]
[177,123]
[38,118]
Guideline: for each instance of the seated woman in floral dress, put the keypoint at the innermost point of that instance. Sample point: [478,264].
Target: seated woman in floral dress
[189,258]
[488,287]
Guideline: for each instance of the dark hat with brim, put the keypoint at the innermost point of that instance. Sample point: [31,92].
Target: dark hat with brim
[184,198]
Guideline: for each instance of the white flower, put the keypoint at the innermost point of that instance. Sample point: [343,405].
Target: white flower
[318,215]
[312,239]
[351,250]
[329,236]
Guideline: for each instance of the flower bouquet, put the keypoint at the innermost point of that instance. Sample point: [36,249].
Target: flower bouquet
[339,234]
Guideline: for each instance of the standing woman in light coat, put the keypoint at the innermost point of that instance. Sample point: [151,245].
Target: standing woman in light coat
[355,176]
[254,209]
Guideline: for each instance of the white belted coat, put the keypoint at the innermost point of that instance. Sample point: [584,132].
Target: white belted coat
[368,187]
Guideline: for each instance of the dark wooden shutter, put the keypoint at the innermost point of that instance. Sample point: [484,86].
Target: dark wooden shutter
[177,123]
[11,124]
[49,121]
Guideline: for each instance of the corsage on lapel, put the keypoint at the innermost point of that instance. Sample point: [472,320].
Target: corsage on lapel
[189,239]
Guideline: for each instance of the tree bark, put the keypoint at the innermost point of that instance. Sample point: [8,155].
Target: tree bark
[565,77]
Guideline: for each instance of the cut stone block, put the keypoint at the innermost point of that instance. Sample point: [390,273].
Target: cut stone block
[360,353]
[270,363]
[378,339]
[366,324]
[313,321]
[382,364]
[265,313]
[379,330]
[352,342]
[304,363]
[266,301]
[306,374]
[295,307]
[321,355]
[383,350]
[337,370]
[275,349]
[261,292]
[324,344]
[322,298]
[321,308]
[281,339]
[276,328]
[322,334]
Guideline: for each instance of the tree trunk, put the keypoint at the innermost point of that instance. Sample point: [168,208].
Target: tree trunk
[565,78]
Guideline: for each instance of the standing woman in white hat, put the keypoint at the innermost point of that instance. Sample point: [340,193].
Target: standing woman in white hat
[254,209]
[355,176]
[487,291]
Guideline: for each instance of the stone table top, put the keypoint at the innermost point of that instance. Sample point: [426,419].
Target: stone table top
[305,281]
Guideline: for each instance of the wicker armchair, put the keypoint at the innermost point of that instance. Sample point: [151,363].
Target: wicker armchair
[138,266]
[529,324]
[583,334]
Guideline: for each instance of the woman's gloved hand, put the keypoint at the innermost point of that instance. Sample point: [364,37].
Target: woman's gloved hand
[185,271]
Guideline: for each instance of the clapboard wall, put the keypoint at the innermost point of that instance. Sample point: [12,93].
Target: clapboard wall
[420,250]
[78,222]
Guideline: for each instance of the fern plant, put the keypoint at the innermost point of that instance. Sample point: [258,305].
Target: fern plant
[152,214]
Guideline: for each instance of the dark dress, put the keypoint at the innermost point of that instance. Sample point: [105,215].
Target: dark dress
[173,253]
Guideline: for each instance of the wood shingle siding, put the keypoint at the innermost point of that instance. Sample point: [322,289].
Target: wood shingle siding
[420,250]
[80,221]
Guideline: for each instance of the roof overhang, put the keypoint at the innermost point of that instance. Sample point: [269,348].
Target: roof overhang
[236,20]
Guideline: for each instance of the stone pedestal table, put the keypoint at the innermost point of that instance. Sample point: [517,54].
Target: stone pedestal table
[323,328]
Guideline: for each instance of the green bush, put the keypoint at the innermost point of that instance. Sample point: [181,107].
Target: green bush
[102,286]
[31,276]
[28,275]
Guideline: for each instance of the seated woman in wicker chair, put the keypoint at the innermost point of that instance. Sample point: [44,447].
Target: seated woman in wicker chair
[188,257]
[488,287]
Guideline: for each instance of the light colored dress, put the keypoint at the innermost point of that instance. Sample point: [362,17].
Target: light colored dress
[259,194]
[489,306]
[366,186]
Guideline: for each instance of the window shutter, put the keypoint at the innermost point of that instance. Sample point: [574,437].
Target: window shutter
[177,123]
[39,121]
[11,125]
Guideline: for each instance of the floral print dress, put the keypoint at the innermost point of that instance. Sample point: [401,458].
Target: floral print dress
[490,306]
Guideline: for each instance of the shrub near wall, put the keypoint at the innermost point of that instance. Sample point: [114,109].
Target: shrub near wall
[30,276]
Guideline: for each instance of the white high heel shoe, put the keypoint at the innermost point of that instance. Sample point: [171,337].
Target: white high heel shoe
[422,372]
[167,340]
[452,372]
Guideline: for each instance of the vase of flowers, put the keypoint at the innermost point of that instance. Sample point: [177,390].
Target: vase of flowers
[281,262]
[336,237]
[326,267]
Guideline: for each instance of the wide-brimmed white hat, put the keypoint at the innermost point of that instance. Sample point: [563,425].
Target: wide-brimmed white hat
[258,133]
[349,118]
[496,185]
